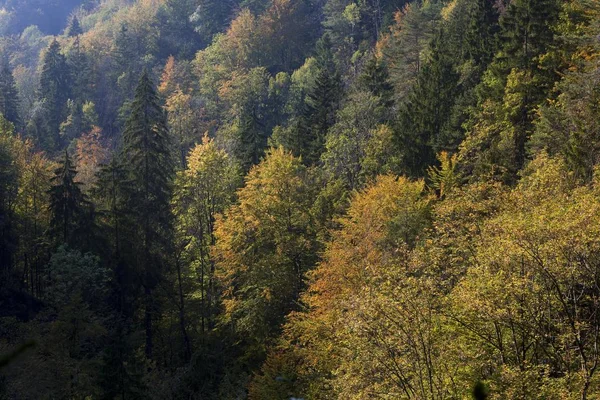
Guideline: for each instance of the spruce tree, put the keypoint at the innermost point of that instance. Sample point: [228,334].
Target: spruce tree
[55,89]
[527,32]
[482,31]
[9,95]
[74,28]
[146,155]
[375,79]
[427,110]
[81,75]
[67,205]
[320,105]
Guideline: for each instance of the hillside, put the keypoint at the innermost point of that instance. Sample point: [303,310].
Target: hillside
[310,199]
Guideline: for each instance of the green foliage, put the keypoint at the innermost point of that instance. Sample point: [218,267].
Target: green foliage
[202,191]
[9,95]
[146,156]
[74,28]
[69,223]
[55,90]
[426,111]
[321,273]
[265,244]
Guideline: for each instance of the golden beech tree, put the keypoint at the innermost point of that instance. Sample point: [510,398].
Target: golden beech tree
[265,244]
[369,313]
[91,153]
[528,307]
[207,187]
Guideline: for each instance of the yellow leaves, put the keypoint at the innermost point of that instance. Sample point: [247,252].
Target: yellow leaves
[266,243]
[91,153]
[166,80]
[444,177]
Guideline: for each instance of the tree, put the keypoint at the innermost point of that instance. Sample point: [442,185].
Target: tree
[535,286]
[8,193]
[74,28]
[202,191]
[183,119]
[517,81]
[264,246]
[9,95]
[405,47]
[146,155]
[353,137]
[212,17]
[320,106]
[91,153]
[375,78]
[426,111]
[368,304]
[55,89]
[82,77]
[250,112]
[67,205]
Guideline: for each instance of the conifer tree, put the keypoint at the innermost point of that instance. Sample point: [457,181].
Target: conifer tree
[9,95]
[146,155]
[527,32]
[81,74]
[427,110]
[320,104]
[74,28]
[55,89]
[375,79]
[8,192]
[481,35]
[67,205]
[211,17]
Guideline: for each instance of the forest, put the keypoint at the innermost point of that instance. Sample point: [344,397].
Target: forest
[299,199]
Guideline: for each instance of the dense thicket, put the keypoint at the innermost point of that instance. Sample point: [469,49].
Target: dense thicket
[316,199]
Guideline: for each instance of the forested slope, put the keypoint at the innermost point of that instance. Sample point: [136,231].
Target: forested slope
[316,199]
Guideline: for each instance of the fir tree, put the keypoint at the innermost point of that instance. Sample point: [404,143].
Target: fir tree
[375,79]
[55,89]
[81,74]
[146,155]
[482,31]
[320,105]
[427,110]
[9,95]
[67,205]
[74,28]
[527,31]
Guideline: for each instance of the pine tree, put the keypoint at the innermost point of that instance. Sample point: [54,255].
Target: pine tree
[9,95]
[55,89]
[67,205]
[146,155]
